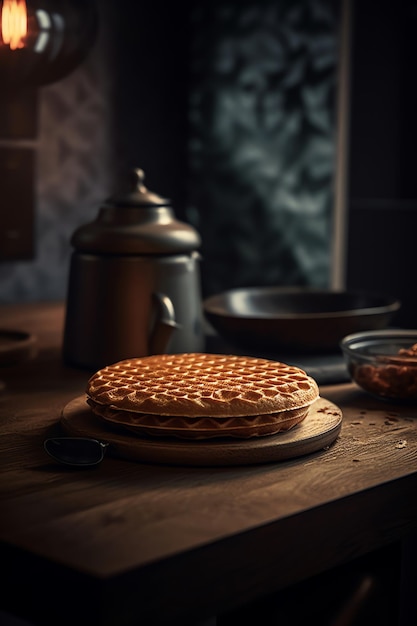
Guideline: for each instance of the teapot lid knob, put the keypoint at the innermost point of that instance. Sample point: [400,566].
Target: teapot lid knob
[137,177]
[138,194]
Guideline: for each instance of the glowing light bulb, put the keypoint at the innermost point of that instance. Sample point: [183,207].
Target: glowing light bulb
[42,41]
[14,23]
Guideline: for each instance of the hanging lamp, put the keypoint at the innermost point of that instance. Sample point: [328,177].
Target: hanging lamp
[42,41]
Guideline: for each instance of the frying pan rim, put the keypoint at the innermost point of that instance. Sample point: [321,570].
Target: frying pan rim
[212,305]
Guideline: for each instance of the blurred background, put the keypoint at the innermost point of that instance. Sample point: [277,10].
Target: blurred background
[283,130]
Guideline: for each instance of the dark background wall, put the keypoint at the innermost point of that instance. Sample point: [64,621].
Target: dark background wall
[230,110]
[55,149]
[382,197]
[262,109]
[151,42]
[138,101]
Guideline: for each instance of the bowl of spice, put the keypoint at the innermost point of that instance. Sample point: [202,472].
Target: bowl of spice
[383,363]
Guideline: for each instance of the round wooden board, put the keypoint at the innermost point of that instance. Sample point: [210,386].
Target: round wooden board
[319,429]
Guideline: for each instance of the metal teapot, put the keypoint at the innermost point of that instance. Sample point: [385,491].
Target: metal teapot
[134,282]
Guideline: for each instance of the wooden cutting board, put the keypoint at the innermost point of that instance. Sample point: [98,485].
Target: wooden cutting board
[317,431]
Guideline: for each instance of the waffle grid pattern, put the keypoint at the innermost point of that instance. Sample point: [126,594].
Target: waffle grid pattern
[202,385]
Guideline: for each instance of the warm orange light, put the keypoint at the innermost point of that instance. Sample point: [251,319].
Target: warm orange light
[14,23]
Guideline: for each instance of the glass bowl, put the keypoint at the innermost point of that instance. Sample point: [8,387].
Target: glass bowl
[383,363]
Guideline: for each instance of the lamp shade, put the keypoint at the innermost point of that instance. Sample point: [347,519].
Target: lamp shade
[42,41]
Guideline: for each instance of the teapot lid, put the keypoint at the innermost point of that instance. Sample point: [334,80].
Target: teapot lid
[137,222]
[138,195]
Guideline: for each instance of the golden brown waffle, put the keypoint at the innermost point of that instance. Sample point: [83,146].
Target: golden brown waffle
[202,395]
[202,427]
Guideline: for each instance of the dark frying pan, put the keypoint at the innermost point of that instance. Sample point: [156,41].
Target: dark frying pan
[295,319]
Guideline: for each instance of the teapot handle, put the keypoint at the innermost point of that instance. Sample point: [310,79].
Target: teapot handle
[164,324]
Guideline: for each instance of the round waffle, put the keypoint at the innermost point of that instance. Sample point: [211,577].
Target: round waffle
[201,396]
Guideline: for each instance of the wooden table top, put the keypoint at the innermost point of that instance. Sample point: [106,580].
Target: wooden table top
[130,542]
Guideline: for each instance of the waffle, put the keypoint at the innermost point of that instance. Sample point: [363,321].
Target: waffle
[202,396]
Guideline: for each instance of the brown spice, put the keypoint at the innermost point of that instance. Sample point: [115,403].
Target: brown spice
[395,377]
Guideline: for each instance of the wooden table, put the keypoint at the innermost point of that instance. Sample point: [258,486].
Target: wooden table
[130,543]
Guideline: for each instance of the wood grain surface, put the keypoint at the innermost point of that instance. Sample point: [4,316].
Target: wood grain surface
[138,542]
